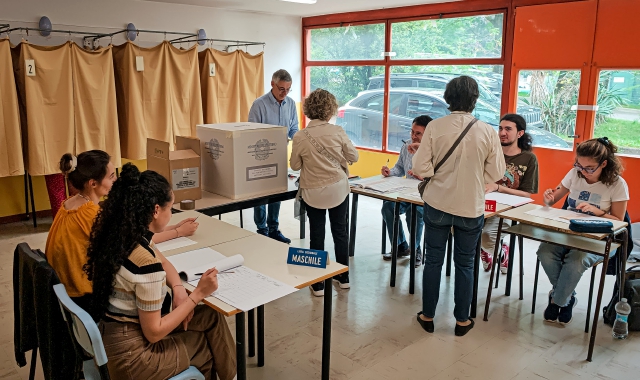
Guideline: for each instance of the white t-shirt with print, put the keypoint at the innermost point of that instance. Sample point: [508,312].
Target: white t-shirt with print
[598,194]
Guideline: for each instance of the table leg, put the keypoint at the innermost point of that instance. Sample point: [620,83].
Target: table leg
[354,221]
[394,243]
[252,333]
[261,336]
[240,349]
[493,268]
[476,275]
[412,239]
[512,246]
[326,330]
[303,219]
[521,252]
[241,221]
[384,237]
[33,205]
[596,312]
[26,197]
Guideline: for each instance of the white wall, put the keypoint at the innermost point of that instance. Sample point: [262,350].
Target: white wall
[282,34]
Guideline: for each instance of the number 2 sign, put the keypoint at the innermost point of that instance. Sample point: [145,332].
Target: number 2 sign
[30,67]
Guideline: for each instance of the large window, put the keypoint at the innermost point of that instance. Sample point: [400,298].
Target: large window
[618,114]
[364,42]
[448,38]
[555,94]
[350,61]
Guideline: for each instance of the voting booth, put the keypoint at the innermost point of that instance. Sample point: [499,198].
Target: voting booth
[243,159]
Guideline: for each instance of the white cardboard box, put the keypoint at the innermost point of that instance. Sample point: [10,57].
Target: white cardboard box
[243,159]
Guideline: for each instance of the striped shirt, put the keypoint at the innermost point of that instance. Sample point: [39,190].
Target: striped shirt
[139,284]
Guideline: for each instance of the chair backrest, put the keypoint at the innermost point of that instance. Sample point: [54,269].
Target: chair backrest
[85,330]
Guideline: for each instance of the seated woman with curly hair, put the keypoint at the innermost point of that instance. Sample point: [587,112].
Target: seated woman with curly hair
[130,278]
[323,152]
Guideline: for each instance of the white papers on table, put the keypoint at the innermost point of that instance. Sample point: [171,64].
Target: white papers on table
[560,215]
[387,185]
[507,199]
[191,265]
[246,289]
[174,244]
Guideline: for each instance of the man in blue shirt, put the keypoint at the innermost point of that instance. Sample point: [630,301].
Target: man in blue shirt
[403,168]
[274,108]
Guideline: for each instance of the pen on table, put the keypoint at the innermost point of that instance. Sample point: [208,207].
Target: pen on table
[200,274]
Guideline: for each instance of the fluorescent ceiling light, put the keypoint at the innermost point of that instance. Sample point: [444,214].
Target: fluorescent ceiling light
[301,1]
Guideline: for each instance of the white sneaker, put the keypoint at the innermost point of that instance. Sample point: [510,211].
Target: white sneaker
[342,280]
[317,289]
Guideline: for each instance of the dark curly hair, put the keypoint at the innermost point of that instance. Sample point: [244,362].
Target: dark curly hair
[91,164]
[525,142]
[600,150]
[461,94]
[121,223]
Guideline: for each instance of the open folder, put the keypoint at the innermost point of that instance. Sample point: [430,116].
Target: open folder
[191,265]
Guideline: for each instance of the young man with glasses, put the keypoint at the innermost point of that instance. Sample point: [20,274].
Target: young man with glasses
[274,108]
[520,178]
[403,168]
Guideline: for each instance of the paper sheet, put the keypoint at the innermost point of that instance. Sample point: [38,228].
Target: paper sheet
[174,244]
[388,184]
[190,265]
[560,215]
[507,199]
[246,289]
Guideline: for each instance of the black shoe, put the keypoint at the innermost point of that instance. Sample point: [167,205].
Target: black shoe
[566,312]
[551,312]
[404,252]
[277,235]
[343,280]
[317,289]
[463,330]
[263,233]
[426,325]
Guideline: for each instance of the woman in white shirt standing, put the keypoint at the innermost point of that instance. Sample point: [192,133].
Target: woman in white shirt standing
[322,152]
[595,187]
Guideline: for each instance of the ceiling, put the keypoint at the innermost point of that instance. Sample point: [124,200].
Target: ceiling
[303,10]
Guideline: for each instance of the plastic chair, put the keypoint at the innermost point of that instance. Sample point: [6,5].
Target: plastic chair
[85,332]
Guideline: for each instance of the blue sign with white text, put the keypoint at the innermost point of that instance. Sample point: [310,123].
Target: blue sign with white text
[307,257]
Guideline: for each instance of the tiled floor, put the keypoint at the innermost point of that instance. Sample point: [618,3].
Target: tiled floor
[375,335]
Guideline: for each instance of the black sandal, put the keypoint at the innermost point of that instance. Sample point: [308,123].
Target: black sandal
[426,325]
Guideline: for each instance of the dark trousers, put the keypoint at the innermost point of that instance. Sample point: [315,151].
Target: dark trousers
[466,232]
[339,229]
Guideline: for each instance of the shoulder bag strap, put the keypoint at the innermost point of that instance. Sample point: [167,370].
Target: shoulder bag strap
[455,145]
[334,162]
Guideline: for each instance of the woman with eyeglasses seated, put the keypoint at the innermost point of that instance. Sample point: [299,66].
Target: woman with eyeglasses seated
[595,187]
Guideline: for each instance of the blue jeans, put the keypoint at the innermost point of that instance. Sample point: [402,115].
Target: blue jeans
[405,208]
[564,267]
[267,223]
[466,232]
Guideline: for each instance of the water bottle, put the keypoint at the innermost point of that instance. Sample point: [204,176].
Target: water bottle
[620,326]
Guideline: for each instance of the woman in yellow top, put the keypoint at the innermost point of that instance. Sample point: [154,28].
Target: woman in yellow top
[92,174]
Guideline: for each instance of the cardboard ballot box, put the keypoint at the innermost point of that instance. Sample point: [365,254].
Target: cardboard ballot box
[243,159]
[180,167]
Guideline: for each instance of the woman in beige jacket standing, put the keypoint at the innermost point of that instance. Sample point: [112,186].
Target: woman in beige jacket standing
[322,152]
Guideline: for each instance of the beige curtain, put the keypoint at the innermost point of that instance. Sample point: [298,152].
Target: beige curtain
[11,161]
[95,109]
[238,81]
[48,102]
[162,101]
[69,105]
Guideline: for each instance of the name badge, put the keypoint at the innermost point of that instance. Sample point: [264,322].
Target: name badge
[307,257]
[490,206]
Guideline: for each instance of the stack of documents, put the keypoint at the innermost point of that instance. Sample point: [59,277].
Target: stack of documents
[507,199]
[387,185]
[238,286]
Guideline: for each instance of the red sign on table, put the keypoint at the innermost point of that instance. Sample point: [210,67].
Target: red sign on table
[490,206]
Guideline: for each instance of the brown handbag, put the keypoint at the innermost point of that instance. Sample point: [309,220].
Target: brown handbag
[423,184]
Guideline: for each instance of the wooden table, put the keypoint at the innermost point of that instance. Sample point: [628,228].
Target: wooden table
[214,204]
[558,233]
[267,256]
[416,201]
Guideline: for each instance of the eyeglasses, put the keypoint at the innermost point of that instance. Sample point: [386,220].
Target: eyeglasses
[414,133]
[587,170]
[285,90]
